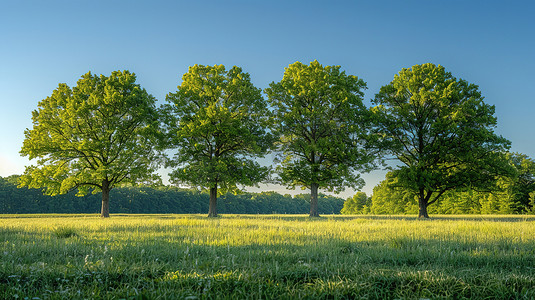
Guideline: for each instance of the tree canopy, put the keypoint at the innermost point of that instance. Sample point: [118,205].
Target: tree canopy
[93,136]
[218,123]
[323,128]
[442,132]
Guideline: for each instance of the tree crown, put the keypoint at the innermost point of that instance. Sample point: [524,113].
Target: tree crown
[440,129]
[217,121]
[323,126]
[99,130]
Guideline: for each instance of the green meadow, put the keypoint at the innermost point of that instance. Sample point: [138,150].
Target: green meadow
[266,257]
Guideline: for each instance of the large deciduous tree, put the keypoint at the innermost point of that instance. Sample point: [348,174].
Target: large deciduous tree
[218,122]
[442,132]
[93,136]
[323,129]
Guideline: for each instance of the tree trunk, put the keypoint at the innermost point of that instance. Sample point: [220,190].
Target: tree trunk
[105,210]
[212,209]
[314,200]
[422,212]
[422,205]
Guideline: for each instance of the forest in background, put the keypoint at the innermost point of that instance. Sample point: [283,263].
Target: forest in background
[162,199]
[511,194]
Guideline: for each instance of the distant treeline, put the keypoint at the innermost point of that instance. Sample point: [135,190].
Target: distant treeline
[165,199]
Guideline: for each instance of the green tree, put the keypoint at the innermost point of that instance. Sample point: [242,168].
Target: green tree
[390,198]
[531,203]
[521,182]
[440,129]
[358,204]
[92,137]
[464,201]
[323,129]
[218,123]
[512,191]
[387,198]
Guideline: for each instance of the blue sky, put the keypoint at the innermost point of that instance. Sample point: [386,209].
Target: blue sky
[43,43]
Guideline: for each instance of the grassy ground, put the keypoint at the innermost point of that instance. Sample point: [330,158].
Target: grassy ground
[253,257]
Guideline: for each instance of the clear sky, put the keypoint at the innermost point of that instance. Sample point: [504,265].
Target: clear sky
[43,43]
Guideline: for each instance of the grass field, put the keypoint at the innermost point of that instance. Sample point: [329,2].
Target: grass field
[268,257]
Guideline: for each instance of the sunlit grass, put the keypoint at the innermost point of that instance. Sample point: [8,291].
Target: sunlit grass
[274,256]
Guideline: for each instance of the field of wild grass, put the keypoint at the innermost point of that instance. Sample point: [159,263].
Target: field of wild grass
[268,257]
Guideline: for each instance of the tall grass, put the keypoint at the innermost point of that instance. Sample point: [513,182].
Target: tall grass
[275,256]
